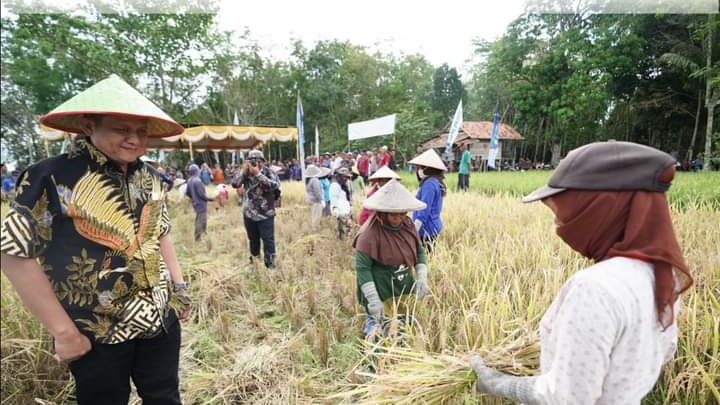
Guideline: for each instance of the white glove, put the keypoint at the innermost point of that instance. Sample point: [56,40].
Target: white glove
[418,225]
[491,381]
[421,282]
[374,306]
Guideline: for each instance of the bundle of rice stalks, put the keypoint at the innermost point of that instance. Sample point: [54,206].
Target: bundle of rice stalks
[409,376]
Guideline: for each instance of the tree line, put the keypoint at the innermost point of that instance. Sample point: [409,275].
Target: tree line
[560,80]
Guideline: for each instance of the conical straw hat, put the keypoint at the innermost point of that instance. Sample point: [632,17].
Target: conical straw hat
[429,158]
[111,96]
[393,197]
[384,173]
[325,171]
[313,171]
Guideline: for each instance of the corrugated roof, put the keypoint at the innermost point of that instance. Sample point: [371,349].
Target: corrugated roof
[480,130]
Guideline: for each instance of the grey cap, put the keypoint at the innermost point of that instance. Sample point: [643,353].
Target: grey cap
[609,166]
[343,171]
[256,154]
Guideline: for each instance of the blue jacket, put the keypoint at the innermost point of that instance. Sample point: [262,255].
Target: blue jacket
[326,189]
[430,193]
[196,192]
[205,176]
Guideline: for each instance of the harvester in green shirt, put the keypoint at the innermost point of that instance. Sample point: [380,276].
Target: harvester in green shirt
[387,249]
[464,169]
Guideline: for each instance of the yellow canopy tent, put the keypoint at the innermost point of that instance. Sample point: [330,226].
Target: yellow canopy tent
[214,138]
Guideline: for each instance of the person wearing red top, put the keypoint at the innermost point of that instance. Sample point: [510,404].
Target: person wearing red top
[363,165]
[218,175]
[384,158]
[377,180]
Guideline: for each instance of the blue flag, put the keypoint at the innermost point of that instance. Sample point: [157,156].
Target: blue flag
[495,137]
[299,120]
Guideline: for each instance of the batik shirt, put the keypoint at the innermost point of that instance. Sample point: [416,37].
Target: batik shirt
[260,194]
[96,232]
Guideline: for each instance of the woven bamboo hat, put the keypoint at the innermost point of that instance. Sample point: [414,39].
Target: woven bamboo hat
[429,158]
[111,96]
[393,197]
[384,173]
[325,171]
[313,171]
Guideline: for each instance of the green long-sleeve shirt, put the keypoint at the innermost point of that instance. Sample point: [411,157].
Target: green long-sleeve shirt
[390,280]
[465,163]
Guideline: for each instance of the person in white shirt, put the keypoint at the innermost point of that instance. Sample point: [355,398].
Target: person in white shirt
[612,326]
[337,163]
[340,206]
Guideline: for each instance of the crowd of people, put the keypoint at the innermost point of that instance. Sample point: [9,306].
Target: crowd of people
[86,243]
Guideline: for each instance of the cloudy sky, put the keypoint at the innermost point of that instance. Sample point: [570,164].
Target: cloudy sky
[442,30]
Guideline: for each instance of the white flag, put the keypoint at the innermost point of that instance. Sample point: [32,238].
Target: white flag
[317,143]
[454,127]
[299,122]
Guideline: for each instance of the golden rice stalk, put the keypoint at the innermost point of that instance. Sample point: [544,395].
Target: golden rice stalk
[410,376]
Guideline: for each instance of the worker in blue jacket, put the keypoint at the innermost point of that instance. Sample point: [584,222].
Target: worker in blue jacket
[431,173]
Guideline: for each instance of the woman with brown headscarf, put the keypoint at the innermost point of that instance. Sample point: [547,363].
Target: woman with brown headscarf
[612,326]
[387,247]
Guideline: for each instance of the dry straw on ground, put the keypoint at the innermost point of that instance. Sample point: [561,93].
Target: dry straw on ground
[291,336]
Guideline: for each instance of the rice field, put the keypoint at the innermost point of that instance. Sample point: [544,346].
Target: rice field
[292,335]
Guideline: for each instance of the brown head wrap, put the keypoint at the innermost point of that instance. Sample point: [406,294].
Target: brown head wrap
[636,224]
[387,245]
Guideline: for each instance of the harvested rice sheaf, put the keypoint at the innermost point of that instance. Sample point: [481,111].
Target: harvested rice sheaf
[409,376]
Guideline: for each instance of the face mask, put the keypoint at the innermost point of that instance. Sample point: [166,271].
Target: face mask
[421,173]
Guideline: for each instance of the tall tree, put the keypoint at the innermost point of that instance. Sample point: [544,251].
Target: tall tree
[712,87]
[448,90]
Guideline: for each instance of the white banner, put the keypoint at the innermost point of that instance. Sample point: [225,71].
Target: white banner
[492,156]
[367,129]
[454,127]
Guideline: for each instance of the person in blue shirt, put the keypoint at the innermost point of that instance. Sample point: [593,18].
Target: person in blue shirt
[8,183]
[205,175]
[430,173]
[325,182]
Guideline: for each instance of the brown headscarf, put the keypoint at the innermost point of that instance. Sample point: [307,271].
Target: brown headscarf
[636,224]
[387,245]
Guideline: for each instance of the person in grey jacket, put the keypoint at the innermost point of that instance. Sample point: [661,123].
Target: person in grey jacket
[314,192]
[196,192]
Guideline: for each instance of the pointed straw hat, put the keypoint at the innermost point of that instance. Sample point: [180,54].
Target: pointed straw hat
[384,173]
[111,96]
[429,158]
[393,197]
[313,171]
[325,171]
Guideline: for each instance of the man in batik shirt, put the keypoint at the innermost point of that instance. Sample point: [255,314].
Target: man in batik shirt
[86,244]
[262,189]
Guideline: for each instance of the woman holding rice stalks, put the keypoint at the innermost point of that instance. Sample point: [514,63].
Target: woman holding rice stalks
[387,246]
[377,180]
[612,326]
